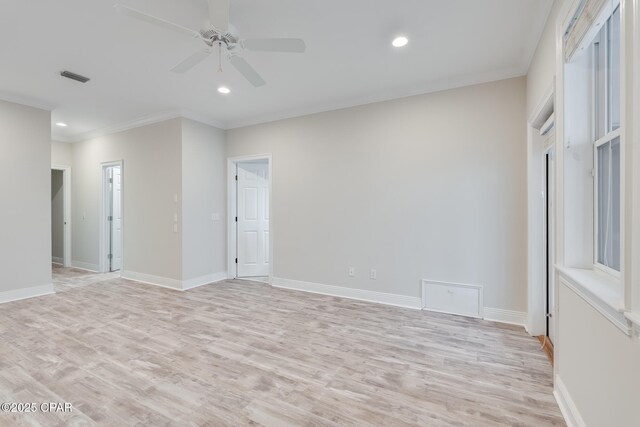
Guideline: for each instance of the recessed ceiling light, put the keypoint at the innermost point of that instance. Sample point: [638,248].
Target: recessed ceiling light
[400,41]
[223,89]
[62,125]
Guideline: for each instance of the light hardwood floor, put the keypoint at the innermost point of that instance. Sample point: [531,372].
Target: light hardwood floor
[239,353]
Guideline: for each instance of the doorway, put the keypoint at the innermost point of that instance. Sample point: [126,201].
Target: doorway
[250,238]
[541,142]
[549,233]
[60,215]
[111,258]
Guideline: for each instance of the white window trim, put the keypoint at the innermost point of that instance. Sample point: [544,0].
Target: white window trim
[632,275]
[609,136]
[634,318]
[610,297]
[597,265]
[600,291]
[606,11]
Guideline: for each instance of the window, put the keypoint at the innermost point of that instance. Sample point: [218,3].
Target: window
[608,204]
[606,137]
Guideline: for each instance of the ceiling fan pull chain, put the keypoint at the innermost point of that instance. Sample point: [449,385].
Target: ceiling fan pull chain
[219,57]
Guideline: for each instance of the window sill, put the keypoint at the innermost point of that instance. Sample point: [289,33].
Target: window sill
[601,291]
[635,319]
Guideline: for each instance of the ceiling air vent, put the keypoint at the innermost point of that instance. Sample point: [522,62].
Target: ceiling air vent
[74,76]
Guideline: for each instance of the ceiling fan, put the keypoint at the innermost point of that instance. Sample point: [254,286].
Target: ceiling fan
[216,32]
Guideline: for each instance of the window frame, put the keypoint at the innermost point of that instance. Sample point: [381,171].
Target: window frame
[608,138]
[601,50]
[608,295]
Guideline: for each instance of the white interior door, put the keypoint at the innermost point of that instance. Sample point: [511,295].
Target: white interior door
[253,219]
[116,224]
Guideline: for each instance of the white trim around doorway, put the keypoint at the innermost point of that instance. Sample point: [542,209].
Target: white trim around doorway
[104,224]
[66,195]
[232,268]
[536,310]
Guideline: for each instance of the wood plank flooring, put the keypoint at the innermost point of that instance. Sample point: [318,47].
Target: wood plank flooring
[238,353]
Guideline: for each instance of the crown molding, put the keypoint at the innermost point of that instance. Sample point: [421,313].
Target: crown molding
[140,122]
[389,95]
[200,118]
[26,100]
[63,139]
[121,127]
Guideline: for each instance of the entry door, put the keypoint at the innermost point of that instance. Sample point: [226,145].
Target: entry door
[116,224]
[253,219]
[549,184]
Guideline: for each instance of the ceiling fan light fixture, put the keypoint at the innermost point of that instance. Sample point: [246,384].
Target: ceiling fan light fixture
[400,41]
[224,90]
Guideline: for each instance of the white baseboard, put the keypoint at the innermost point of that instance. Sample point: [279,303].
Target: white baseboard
[177,285]
[405,301]
[569,410]
[351,293]
[94,268]
[24,293]
[149,279]
[57,260]
[203,280]
[505,316]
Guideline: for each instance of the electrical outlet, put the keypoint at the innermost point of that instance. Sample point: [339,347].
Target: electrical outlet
[373,275]
[215,217]
[352,272]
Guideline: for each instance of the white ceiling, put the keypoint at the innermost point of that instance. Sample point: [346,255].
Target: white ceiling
[349,58]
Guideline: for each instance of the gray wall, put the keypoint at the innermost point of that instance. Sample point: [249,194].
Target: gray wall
[203,194]
[430,186]
[178,156]
[57,216]
[604,380]
[61,153]
[151,178]
[543,65]
[25,175]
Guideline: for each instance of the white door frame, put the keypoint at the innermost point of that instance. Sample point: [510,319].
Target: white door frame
[549,229]
[104,224]
[232,236]
[66,214]
[536,318]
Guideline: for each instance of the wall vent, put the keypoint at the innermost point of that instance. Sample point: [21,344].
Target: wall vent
[452,298]
[74,76]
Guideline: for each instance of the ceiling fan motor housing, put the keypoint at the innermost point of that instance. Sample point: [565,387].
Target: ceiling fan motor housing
[214,36]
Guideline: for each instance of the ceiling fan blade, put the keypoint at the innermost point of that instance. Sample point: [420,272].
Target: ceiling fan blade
[247,71]
[275,45]
[191,61]
[133,13]
[219,14]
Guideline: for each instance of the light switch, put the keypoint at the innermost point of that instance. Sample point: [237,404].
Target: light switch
[175,217]
[175,228]
[175,198]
